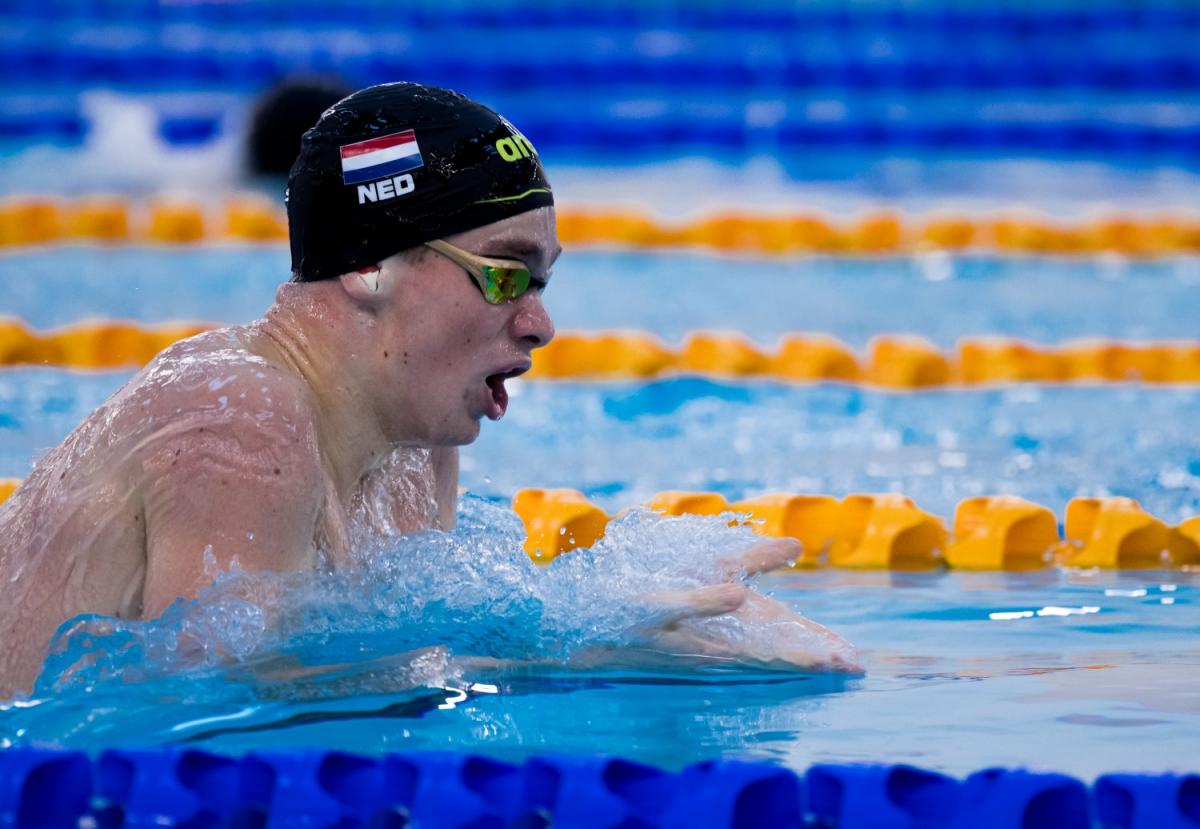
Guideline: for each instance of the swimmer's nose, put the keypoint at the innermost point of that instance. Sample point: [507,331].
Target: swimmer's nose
[532,323]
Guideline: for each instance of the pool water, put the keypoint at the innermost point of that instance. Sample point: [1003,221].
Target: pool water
[1077,671]
[1082,672]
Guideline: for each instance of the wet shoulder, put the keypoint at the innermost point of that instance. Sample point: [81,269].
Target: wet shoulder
[214,383]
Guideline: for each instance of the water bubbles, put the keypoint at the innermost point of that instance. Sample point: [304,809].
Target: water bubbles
[472,593]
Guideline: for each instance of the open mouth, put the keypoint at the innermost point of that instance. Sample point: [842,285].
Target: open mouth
[497,403]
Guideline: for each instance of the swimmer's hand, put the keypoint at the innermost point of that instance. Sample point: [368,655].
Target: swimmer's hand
[770,634]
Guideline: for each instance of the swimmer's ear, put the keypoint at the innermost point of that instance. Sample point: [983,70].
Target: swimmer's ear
[367,284]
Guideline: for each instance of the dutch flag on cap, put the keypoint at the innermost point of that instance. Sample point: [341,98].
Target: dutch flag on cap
[380,157]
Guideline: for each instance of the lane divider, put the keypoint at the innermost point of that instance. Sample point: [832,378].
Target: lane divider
[254,218]
[887,531]
[288,787]
[92,345]
[894,361]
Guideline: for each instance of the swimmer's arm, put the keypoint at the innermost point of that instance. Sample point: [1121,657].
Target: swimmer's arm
[219,495]
[445,472]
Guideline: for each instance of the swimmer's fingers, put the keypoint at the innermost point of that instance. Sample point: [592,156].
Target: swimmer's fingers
[802,643]
[671,607]
[763,557]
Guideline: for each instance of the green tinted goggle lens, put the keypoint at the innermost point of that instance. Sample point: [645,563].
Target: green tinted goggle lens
[503,284]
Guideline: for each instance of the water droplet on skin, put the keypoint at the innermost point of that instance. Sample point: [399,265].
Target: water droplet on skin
[210,562]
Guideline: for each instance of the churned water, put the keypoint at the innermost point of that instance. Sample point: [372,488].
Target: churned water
[1083,672]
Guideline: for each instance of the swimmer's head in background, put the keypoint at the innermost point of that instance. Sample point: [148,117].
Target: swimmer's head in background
[396,165]
[281,115]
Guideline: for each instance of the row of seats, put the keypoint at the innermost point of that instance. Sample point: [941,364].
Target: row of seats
[653,126]
[275,789]
[890,532]
[892,361]
[881,18]
[251,218]
[575,58]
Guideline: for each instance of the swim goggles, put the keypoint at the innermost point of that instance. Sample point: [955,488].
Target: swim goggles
[500,280]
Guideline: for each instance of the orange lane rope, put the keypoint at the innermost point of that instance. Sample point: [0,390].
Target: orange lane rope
[254,218]
[891,361]
[889,531]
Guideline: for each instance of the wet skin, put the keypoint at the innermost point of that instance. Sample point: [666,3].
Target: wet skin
[274,446]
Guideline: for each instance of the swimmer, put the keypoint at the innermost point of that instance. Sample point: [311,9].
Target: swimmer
[422,233]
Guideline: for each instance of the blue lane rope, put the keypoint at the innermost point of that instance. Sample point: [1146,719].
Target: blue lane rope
[172,787]
[949,17]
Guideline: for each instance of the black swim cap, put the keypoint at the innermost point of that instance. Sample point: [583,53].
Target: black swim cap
[396,165]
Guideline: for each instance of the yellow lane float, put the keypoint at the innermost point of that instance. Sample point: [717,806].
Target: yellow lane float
[1183,543]
[906,362]
[812,358]
[35,220]
[99,219]
[254,219]
[30,222]
[722,355]
[1002,532]
[1113,533]
[813,520]
[1006,360]
[558,520]
[176,222]
[887,532]
[675,502]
